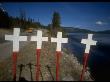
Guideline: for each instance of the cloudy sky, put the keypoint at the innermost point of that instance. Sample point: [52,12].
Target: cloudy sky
[86,15]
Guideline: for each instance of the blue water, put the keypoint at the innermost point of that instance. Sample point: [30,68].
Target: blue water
[99,60]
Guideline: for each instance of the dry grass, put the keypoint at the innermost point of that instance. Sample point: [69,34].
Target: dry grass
[68,63]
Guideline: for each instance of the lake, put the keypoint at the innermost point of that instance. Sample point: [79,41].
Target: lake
[99,60]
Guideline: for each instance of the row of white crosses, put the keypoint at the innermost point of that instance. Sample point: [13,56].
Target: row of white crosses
[38,38]
[16,38]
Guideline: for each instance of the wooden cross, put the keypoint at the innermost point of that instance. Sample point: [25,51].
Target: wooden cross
[39,39]
[88,43]
[16,39]
[59,40]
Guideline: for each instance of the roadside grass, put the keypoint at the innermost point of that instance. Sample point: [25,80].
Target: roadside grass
[69,65]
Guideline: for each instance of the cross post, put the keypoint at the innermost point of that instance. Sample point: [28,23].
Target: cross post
[59,40]
[16,39]
[39,39]
[88,43]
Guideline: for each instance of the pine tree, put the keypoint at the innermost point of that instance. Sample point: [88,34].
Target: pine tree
[55,23]
[56,20]
[4,19]
[22,19]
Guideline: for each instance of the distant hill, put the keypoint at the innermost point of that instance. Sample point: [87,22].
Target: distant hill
[77,30]
[104,32]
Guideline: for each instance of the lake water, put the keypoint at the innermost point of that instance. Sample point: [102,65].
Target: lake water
[99,60]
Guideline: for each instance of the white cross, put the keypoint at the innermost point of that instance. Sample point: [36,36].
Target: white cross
[39,39]
[59,40]
[88,42]
[16,38]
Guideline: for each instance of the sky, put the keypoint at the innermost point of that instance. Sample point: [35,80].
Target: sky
[86,15]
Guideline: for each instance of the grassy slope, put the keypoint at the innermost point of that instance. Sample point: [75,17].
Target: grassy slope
[70,68]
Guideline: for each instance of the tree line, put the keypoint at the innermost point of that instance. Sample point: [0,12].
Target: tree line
[9,22]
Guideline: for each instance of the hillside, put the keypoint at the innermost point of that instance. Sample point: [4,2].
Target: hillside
[76,30]
[70,67]
[104,32]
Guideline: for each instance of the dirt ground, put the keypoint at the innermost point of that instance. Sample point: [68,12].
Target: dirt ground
[70,68]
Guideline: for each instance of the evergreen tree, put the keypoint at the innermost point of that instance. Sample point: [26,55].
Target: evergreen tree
[56,20]
[55,23]
[22,19]
[4,18]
